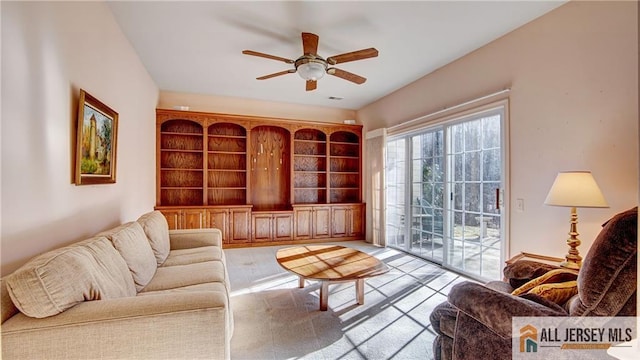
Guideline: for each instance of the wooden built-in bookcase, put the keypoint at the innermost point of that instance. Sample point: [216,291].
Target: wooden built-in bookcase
[226,164]
[180,163]
[310,166]
[344,168]
[259,180]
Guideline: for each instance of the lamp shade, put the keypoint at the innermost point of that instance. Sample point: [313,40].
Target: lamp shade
[576,189]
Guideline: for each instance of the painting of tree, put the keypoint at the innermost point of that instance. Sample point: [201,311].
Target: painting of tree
[97,126]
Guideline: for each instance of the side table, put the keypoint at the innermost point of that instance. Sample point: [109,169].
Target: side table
[541,259]
[544,259]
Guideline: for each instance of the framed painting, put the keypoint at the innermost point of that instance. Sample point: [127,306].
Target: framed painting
[96,143]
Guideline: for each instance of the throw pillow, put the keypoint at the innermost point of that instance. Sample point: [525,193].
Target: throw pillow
[59,279]
[559,293]
[156,228]
[132,244]
[553,276]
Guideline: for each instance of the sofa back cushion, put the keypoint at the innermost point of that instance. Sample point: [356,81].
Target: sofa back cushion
[132,244]
[608,277]
[156,228]
[57,280]
[7,307]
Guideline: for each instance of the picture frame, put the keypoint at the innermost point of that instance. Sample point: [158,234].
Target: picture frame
[96,142]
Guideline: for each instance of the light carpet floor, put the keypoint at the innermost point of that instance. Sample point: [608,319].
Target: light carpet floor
[274,319]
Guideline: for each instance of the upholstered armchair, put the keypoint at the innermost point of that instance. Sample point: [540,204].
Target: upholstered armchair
[475,321]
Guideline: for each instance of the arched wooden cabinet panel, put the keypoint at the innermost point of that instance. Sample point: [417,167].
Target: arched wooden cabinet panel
[270,169]
[259,180]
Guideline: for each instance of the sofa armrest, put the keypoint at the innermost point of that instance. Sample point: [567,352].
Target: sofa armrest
[175,325]
[495,309]
[191,238]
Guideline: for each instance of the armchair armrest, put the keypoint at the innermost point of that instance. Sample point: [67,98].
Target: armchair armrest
[495,309]
[191,238]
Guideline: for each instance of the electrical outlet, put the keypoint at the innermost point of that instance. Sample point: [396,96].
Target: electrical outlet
[520,205]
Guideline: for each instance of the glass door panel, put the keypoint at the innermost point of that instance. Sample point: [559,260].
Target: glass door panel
[427,195]
[395,193]
[474,243]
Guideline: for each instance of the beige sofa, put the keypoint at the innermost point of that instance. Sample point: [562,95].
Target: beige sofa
[138,291]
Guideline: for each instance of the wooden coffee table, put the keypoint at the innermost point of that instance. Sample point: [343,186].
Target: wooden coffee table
[330,264]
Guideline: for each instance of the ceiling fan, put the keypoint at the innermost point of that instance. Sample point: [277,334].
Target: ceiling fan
[311,67]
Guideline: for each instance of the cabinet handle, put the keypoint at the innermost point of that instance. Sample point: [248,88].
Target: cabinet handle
[498,198]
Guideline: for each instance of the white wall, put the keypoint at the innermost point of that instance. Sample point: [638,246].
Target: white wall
[49,51]
[239,106]
[573,106]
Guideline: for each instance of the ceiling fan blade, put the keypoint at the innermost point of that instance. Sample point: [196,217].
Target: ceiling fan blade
[346,75]
[272,57]
[310,43]
[352,56]
[276,74]
[311,85]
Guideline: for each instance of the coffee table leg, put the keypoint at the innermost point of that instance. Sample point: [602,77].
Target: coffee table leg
[360,291]
[324,295]
[300,282]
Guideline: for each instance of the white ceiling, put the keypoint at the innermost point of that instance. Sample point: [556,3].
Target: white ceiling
[196,47]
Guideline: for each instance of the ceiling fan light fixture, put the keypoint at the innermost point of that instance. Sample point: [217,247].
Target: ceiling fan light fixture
[311,69]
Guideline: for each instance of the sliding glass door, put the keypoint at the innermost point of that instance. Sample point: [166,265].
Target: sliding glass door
[474,181]
[443,194]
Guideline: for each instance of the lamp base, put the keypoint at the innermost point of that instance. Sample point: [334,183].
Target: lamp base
[573,260]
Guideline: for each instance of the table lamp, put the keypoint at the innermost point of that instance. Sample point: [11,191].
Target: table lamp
[575,189]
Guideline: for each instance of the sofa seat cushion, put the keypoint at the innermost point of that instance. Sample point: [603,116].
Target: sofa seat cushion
[57,280]
[210,286]
[194,255]
[171,277]
[132,244]
[156,228]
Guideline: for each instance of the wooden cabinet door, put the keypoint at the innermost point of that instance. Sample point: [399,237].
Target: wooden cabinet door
[356,220]
[347,221]
[282,227]
[303,218]
[240,225]
[193,219]
[261,227]
[219,219]
[339,221]
[321,217]
[173,218]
